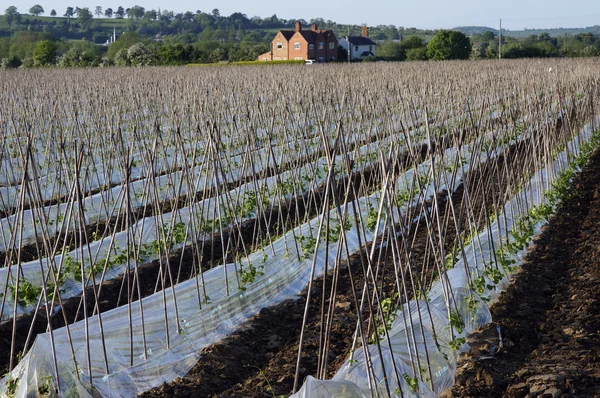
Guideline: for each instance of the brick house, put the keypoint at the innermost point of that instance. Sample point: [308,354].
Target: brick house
[317,44]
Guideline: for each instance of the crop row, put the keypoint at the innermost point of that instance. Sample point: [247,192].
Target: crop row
[106,354]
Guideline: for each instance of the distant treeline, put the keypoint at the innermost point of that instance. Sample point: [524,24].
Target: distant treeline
[78,37]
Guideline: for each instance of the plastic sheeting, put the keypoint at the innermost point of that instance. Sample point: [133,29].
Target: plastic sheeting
[164,348]
[147,343]
[144,232]
[97,173]
[20,230]
[479,254]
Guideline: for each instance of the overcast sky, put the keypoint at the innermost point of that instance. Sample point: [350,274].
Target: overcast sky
[425,14]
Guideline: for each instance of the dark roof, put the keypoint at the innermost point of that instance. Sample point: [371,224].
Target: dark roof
[311,35]
[287,34]
[367,54]
[361,41]
[308,35]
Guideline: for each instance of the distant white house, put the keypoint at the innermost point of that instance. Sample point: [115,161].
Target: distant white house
[358,47]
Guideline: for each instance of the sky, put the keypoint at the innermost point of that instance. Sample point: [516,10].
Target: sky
[423,14]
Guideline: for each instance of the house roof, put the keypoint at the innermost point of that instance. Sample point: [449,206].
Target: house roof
[361,41]
[367,54]
[311,35]
[308,35]
[287,34]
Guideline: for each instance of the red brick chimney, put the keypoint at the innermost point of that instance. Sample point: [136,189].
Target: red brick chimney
[298,26]
[364,32]
[313,27]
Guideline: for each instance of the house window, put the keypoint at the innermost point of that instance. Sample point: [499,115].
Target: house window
[311,46]
[356,48]
[370,49]
[297,45]
[331,45]
[279,45]
[321,45]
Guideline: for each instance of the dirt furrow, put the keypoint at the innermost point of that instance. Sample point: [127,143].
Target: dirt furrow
[260,358]
[549,317]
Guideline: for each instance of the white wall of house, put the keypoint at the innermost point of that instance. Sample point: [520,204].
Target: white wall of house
[356,51]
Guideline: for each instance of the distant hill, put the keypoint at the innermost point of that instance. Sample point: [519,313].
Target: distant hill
[474,30]
[553,32]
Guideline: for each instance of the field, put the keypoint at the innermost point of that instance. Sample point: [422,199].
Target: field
[101,22]
[548,318]
[257,231]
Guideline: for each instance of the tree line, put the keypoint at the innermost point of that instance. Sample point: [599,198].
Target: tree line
[488,45]
[163,37]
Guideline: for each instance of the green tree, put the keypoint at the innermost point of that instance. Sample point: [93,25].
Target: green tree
[173,55]
[98,11]
[70,12]
[219,54]
[120,58]
[12,15]
[120,13]
[449,44]
[27,63]
[513,50]
[108,13]
[590,51]
[85,17]
[4,47]
[479,50]
[544,36]
[36,10]
[53,13]
[151,15]
[22,43]
[412,42]
[44,53]
[390,50]
[491,52]
[140,55]
[77,57]
[136,12]
[488,36]
[416,54]
[391,33]
[546,48]
[10,63]
[124,41]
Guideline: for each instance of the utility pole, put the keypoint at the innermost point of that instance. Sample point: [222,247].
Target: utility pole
[500,41]
[348,42]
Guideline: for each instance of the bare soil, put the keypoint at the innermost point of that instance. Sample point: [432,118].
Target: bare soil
[259,360]
[549,322]
[549,317]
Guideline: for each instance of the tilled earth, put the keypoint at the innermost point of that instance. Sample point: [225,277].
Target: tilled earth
[259,360]
[549,318]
